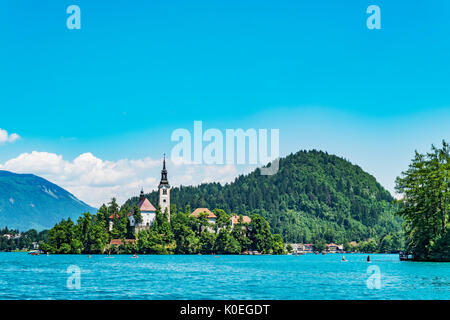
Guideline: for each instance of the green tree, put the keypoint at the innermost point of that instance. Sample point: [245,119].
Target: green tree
[137,215]
[207,242]
[240,233]
[226,244]
[289,248]
[320,245]
[185,238]
[277,244]
[260,235]
[60,238]
[222,219]
[425,205]
[369,246]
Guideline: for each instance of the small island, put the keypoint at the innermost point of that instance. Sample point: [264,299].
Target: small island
[144,229]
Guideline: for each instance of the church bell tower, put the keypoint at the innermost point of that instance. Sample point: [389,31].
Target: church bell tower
[164,190]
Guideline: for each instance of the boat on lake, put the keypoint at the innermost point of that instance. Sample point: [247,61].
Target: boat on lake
[405,256]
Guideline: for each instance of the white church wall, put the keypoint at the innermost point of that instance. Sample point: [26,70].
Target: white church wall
[148,218]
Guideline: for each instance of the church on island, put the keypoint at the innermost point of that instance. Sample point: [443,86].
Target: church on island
[148,210]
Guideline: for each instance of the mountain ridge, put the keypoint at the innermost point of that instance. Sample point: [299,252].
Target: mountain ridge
[28,201]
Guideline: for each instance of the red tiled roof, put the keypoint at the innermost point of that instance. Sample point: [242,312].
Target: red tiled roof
[145,205]
[119,241]
[332,245]
[198,211]
[235,219]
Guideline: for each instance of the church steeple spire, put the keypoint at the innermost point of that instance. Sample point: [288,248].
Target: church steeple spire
[164,191]
[164,180]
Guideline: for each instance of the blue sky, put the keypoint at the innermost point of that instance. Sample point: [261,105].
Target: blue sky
[136,71]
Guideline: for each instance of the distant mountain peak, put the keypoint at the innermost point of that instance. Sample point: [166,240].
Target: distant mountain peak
[29,201]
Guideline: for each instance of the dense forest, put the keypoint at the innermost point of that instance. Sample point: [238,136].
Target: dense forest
[425,205]
[314,197]
[183,234]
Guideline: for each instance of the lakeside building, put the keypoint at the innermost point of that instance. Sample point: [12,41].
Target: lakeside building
[119,242]
[300,248]
[210,215]
[335,248]
[297,248]
[237,219]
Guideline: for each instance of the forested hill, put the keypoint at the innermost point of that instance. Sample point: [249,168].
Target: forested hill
[313,197]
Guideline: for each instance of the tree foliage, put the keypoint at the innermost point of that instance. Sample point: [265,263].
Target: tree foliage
[313,196]
[425,205]
[182,235]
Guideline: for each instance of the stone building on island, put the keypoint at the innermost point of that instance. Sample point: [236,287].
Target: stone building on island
[210,215]
[148,213]
[148,210]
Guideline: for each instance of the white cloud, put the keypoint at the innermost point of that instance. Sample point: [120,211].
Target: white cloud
[96,181]
[6,137]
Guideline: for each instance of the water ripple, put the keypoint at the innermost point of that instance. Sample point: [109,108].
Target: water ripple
[23,276]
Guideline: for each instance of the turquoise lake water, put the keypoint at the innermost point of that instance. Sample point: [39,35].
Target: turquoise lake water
[310,276]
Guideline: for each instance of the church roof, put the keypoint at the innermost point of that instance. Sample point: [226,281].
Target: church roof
[145,205]
[198,211]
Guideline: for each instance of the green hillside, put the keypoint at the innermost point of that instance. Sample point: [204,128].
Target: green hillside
[31,202]
[313,197]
